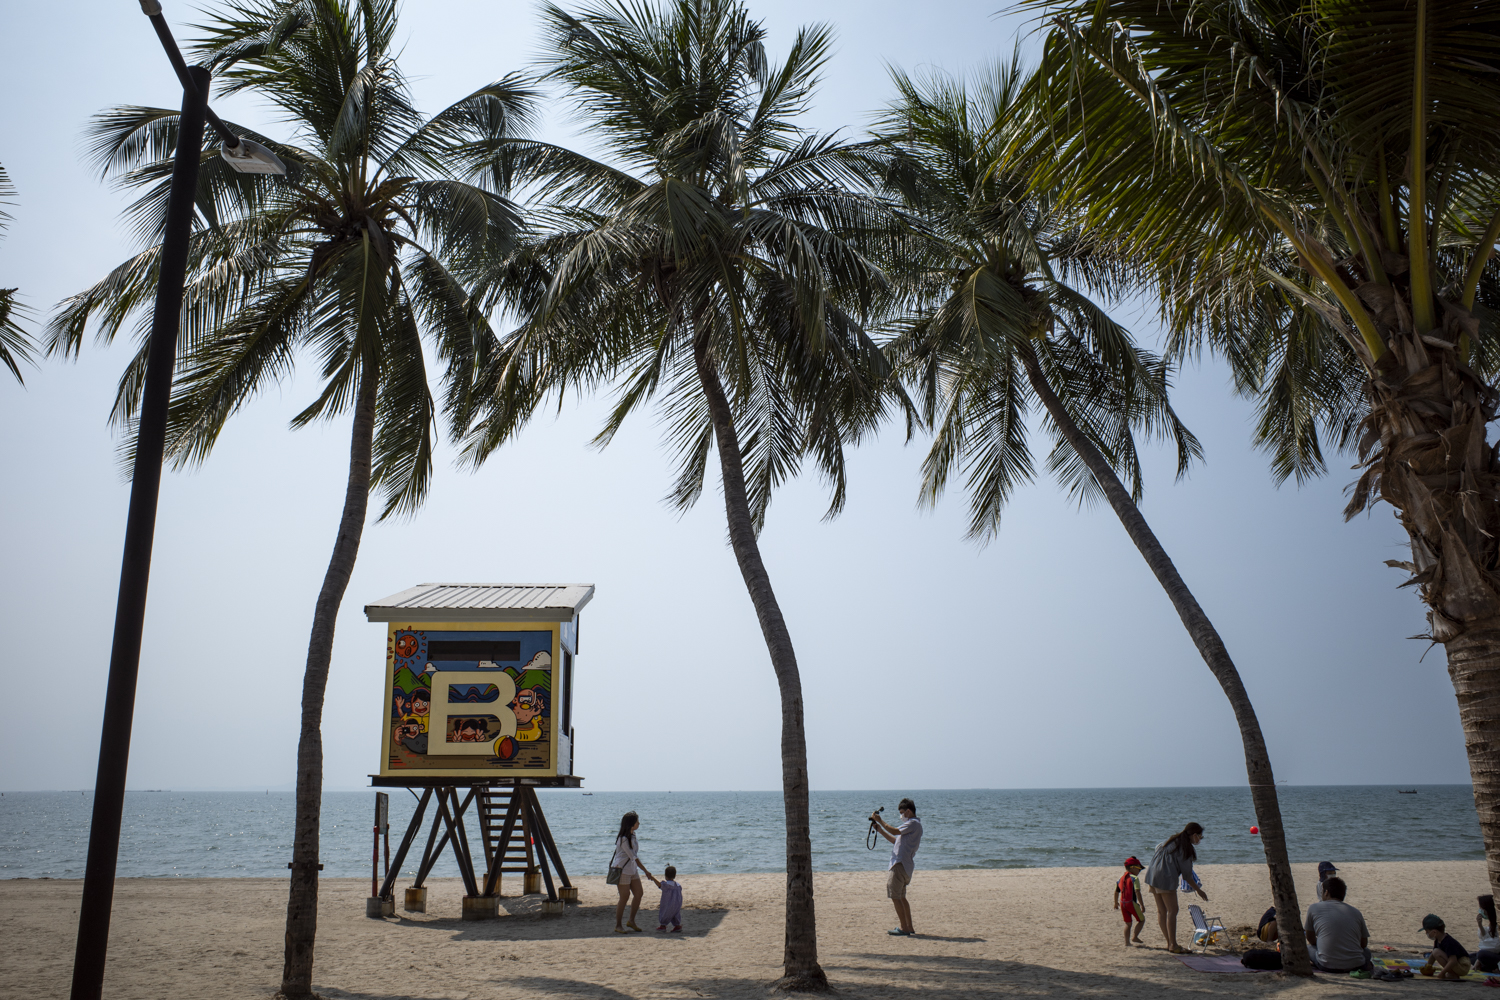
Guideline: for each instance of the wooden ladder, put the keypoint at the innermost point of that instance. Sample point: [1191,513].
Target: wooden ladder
[508,837]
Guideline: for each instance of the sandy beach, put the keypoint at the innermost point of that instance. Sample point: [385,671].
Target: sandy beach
[1020,932]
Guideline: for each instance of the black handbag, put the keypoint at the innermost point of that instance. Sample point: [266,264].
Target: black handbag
[613,878]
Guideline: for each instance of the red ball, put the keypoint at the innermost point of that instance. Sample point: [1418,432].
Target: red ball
[1255,831]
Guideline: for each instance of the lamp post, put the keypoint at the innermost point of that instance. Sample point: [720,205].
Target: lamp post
[140,524]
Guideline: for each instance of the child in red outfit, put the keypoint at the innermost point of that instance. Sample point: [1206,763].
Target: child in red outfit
[1128,899]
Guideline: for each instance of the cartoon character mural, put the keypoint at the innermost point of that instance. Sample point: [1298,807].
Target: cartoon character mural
[446,688]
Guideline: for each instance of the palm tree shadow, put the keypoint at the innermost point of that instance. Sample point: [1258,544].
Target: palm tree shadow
[543,985]
[550,986]
[524,922]
[900,977]
[954,977]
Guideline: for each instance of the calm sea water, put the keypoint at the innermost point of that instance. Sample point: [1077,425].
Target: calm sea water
[229,834]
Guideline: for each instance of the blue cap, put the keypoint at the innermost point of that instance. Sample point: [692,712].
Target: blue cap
[1325,868]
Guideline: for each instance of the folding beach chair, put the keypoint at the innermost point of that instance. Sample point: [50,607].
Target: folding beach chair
[1205,929]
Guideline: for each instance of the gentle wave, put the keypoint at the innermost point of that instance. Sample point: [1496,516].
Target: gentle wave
[247,834]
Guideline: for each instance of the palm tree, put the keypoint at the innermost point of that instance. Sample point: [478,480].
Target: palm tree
[997,326]
[718,270]
[350,258]
[1311,187]
[15,345]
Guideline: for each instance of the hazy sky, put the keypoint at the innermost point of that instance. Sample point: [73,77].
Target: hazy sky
[1049,658]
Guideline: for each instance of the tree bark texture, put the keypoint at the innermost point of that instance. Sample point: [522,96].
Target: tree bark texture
[1211,648]
[1425,453]
[800,953]
[302,899]
[1474,667]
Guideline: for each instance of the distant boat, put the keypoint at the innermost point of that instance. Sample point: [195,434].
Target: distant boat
[588,793]
[1403,791]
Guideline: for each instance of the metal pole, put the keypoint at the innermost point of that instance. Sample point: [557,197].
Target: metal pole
[152,10]
[135,568]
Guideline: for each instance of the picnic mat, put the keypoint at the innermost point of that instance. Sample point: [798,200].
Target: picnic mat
[1415,964]
[1231,963]
[1214,963]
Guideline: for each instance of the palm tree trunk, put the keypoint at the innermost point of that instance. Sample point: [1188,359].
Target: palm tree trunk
[800,954]
[302,900]
[1211,648]
[1474,667]
[1427,453]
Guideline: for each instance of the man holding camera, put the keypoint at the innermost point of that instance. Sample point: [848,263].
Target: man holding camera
[904,837]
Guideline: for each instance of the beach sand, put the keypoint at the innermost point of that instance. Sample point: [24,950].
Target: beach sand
[1016,932]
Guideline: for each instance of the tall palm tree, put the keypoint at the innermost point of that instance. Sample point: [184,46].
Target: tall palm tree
[999,325]
[15,344]
[350,259]
[1311,185]
[717,269]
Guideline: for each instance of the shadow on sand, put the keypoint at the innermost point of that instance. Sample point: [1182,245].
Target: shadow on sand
[952,977]
[906,977]
[522,921]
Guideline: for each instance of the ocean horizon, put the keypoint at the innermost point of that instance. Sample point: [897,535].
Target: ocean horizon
[248,834]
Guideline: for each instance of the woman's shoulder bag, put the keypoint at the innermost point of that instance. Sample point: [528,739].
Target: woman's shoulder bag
[615,871]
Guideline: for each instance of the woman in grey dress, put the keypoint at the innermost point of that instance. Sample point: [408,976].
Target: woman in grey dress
[1173,861]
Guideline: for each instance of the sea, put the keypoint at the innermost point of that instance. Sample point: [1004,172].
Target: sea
[249,834]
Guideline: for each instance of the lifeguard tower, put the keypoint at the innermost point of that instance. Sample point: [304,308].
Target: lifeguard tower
[479,698]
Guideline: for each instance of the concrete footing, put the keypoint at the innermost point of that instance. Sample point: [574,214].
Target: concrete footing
[568,894]
[480,907]
[377,907]
[533,884]
[416,900]
[552,907]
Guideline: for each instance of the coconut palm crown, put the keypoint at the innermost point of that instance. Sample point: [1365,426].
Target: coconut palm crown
[993,277]
[719,268]
[349,261]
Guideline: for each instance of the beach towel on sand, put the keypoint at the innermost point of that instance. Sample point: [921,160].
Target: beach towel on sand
[1231,963]
[1214,963]
[1415,965]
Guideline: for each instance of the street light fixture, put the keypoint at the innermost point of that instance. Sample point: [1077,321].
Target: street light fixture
[250,157]
[145,487]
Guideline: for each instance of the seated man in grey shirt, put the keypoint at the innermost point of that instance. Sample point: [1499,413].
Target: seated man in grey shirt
[1337,932]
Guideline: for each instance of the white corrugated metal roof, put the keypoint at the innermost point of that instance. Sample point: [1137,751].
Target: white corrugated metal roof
[543,602]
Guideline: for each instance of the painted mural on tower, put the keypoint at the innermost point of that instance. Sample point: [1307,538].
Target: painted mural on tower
[470,699]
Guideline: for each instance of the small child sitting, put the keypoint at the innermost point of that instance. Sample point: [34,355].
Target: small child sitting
[1268,931]
[1448,960]
[671,902]
[1128,899]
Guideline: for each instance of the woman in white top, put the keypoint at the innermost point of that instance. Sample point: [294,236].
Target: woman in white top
[628,862]
[1173,862]
[1487,955]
